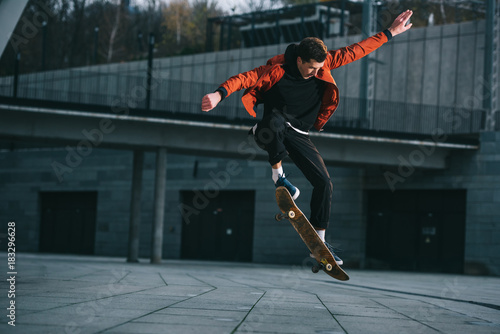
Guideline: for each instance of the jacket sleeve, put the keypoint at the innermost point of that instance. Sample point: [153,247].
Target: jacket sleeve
[242,81]
[348,54]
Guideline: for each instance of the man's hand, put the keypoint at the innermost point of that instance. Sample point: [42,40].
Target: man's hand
[210,101]
[399,25]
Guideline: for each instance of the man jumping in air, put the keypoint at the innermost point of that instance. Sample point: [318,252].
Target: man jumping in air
[299,93]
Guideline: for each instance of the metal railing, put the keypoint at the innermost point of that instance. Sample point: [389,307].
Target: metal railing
[175,98]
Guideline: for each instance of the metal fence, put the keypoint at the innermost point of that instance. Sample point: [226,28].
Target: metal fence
[409,118]
[172,98]
[327,19]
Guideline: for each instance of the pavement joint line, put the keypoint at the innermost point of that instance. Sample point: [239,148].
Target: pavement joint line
[407,316]
[333,316]
[152,312]
[248,313]
[244,284]
[199,280]
[93,300]
[163,279]
[488,305]
[453,311]
[88,274]
[121,279]
[204,309]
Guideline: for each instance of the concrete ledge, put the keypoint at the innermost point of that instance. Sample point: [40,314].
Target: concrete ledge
[108,130]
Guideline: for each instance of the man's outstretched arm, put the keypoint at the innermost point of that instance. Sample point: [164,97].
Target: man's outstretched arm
[348,54]
[235,83]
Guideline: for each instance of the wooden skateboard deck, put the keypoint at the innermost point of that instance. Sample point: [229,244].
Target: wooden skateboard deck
[308,234]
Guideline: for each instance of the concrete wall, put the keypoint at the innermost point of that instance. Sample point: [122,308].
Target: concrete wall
[23,174]
[479,174]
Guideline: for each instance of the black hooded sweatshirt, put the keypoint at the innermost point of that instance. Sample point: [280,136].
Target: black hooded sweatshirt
[298,99]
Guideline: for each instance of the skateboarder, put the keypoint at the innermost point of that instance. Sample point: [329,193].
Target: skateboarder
[299,93]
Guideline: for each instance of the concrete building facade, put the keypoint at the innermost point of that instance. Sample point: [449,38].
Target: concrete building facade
[26,175]
[394,217]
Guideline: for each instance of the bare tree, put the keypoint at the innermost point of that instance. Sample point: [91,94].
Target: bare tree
[114,29]
[185,26]
[443,13]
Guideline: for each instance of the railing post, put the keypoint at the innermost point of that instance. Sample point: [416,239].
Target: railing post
[44,43]
[221,37]
[16,74]
[277,34]
[96,44]
[490,73]
[209,36]
[252,33]
[229,28]
[150,70]
[342,18]
[303,23]
[367,89]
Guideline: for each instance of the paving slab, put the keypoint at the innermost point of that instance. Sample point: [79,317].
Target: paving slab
[90,294]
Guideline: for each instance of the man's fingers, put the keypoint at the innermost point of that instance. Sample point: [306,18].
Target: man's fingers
[406,16]
[206,105]
[210,101]
[403,17]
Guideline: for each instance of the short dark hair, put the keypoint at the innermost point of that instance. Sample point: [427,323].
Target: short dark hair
[312,48]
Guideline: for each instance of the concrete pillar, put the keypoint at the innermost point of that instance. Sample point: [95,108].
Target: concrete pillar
[135,208]
[159,205]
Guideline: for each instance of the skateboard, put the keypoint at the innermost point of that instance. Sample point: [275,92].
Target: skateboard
[324,258]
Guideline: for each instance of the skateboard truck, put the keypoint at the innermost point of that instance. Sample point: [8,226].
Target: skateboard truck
[323,264]
[280,216]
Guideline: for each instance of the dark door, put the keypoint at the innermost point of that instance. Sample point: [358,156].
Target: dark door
[68,222]
[420,230]
[222,228]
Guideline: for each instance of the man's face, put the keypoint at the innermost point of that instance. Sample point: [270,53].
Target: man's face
[310,68]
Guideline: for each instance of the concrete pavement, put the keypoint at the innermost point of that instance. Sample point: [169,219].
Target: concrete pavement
[84,294]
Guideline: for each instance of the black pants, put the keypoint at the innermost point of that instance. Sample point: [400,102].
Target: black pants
[279,140]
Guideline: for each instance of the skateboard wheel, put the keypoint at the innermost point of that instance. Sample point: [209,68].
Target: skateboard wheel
[329,267]
[278,217]
[291,214]
[315,269]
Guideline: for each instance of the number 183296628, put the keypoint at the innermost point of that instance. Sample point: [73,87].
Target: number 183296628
[11,250]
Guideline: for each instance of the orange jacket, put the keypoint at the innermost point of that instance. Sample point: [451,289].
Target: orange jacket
[262,78]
